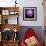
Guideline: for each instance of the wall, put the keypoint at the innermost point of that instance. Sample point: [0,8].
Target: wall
[29,3]
[26,3]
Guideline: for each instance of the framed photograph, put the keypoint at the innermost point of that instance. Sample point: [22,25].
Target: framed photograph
[29,13]
[13,12]
[5,12]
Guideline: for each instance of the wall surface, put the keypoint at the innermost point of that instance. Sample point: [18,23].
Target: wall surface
[26,3]
[34,3]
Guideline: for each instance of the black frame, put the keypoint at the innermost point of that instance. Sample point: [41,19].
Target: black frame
[35,14]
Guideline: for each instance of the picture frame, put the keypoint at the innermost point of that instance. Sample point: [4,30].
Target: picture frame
[13,12]
[5,12]
[29,13]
